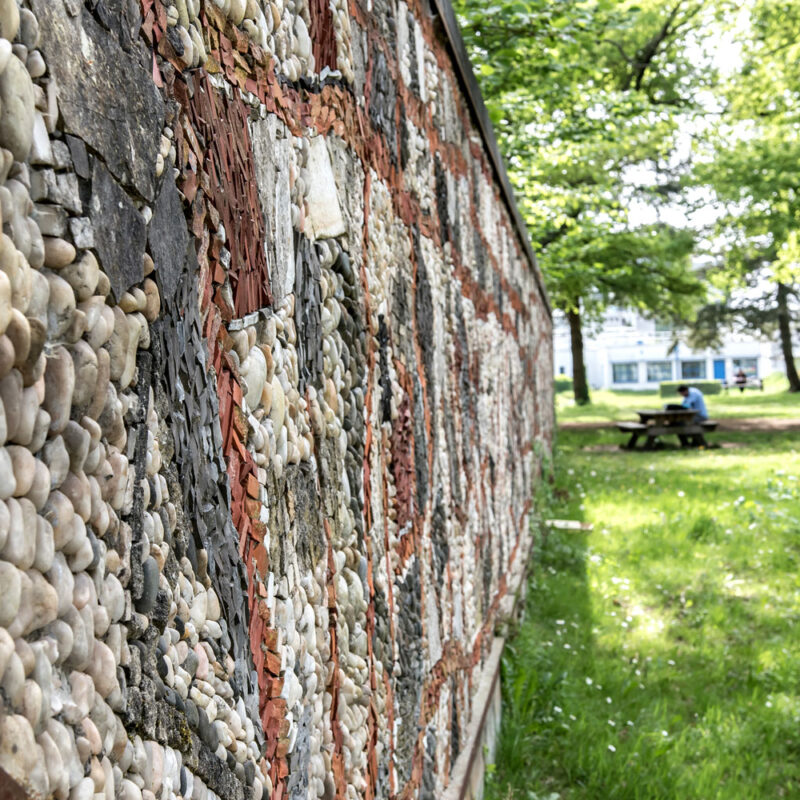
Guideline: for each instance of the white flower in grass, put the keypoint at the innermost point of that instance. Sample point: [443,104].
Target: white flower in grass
[589,681]
[612,748]
[681,493]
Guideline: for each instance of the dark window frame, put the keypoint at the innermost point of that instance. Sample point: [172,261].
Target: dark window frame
[634,364]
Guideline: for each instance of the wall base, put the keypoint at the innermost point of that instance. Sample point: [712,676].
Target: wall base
[466,779]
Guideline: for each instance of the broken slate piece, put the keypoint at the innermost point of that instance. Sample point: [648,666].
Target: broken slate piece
[124,119]
[168,237]
[80,158]
[119,231]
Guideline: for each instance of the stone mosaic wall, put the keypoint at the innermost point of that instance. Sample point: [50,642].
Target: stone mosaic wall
[273,367]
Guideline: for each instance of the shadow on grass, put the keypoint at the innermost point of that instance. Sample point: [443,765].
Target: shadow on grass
[532,678]
[678,683]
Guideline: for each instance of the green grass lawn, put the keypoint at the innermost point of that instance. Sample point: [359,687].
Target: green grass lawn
[609,405]
[659,657]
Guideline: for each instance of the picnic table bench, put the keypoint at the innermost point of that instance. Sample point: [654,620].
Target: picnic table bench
[750,383]
[654,423]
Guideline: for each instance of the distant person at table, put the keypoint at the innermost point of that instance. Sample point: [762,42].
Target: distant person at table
[693,398]
[740,379]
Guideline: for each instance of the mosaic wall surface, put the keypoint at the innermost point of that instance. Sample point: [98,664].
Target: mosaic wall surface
[273,368]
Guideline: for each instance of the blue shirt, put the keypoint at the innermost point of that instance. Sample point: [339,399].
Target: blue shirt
[695,400]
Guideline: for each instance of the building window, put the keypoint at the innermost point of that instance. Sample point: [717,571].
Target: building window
[693,370]
[626,373]
[748,365]
[658,371]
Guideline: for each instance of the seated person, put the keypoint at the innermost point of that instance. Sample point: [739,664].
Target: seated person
[693,398]
[740,379]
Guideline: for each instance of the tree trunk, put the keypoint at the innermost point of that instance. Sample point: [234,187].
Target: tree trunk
[579,386]
[784,325]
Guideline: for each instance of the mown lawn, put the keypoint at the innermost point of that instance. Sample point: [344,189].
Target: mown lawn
[660,656]
[608,405]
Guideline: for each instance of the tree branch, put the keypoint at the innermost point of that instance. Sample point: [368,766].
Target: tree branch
[619,47]
[645,55]
[554,235]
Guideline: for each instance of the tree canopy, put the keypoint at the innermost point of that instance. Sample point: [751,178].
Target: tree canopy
[749,163]
[589,100]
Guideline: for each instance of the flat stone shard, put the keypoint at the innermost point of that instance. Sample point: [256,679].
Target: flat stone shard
[80,158]
[272,156]
[121,17]
[60,188]
[119,232]
[324,218]
[168,237]
[82,232]
[52,220]
[123,121]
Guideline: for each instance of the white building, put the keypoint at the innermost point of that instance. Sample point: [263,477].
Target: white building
[631,352]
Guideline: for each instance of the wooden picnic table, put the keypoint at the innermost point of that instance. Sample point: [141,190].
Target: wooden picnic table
[662,416]
[655,422]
